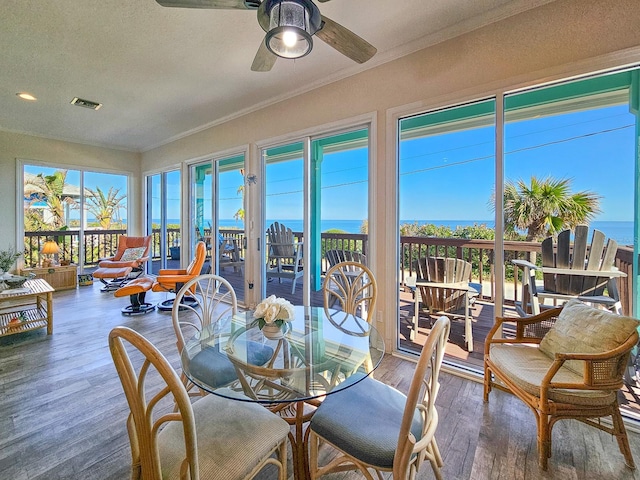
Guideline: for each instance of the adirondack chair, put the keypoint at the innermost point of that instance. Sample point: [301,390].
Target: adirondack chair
[335,257]
[442,288]
[567,273]
[284,254]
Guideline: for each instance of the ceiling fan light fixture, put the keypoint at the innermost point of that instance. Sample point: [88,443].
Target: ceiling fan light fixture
[290,28]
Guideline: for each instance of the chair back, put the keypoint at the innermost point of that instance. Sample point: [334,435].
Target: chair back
[213,298]
[335,257]
[596,257]
[353,286]
[148,416]
[281,241]
[422,398]
[195,267]
[446,271]
[125,242]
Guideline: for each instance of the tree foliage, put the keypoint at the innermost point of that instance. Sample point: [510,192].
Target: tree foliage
[104,207]
[545,207]
[50,190]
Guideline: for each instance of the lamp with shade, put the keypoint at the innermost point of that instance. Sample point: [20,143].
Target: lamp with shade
[289,24]
[49,249]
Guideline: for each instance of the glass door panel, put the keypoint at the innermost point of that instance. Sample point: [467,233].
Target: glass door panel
[164,218]
[339,204]
[173,220]
[284,205]
[201,207]
[228,234]
[446,180]
[154,216]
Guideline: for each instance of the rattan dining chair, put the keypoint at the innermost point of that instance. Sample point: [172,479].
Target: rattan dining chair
[374,426]
[213,438]
[352,287]
[212,298]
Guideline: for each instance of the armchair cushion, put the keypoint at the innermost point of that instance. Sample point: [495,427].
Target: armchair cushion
[526,366]
[584,329]
[132,254]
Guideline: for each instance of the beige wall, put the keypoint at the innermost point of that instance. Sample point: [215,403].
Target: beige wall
[14,146]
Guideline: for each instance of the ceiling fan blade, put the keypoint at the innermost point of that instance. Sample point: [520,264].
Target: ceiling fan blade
[223,4]
[264,59]
[345,41]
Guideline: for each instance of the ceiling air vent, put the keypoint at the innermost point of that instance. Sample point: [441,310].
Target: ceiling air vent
[85,103]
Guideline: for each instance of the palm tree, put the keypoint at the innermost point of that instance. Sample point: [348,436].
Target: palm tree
[104,207]
[545,207]
[51,190]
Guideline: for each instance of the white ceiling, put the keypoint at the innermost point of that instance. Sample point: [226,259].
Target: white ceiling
[161,73]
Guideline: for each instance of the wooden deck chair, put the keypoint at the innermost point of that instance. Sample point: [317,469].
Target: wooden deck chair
[587,273]
[442,288]
[284,254]
[335,257]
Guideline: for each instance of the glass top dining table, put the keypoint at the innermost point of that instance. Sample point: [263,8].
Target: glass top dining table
[309,357]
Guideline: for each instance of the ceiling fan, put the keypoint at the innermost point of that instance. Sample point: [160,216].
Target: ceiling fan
[289,24]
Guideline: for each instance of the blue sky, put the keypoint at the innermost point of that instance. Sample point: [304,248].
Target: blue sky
[452,176]
[446,176]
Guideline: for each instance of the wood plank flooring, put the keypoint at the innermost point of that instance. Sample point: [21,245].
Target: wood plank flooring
[62,409]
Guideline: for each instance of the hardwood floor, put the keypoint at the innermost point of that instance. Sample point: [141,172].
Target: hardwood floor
[62,409]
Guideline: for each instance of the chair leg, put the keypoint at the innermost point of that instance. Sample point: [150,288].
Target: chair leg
[621,436]
[468,331]
[487,382]
[544,440]
[312,444]
[282,457]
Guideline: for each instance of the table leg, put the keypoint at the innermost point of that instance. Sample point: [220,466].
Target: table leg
[298,447]
[49,313]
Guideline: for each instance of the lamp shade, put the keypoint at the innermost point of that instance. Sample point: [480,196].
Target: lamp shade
[291,23]
[50,248]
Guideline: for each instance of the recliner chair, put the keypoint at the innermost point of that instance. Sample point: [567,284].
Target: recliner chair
[171,280]
[126,264]
[168,280]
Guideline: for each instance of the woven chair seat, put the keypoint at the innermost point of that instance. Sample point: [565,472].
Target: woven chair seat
[224,436]
[215,369]
[526,366]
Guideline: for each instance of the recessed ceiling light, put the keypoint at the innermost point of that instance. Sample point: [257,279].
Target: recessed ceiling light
[26,96]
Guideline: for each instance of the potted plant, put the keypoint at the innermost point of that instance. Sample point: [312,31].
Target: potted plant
[7,258]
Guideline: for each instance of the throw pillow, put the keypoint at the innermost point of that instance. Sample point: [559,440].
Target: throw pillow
[131,254]
[584,329]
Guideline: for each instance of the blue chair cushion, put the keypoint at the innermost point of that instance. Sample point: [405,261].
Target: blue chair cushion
[212,366]
[364,420]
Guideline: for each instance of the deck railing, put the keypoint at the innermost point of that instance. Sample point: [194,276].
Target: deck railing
[480,253]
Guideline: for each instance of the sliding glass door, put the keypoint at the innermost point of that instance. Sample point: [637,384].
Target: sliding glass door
[316,201]
[558,158]
[218,212]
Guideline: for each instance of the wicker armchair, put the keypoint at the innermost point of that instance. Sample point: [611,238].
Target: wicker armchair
[564,363]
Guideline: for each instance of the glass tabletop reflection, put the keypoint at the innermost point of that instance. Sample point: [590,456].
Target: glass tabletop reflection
[321,351]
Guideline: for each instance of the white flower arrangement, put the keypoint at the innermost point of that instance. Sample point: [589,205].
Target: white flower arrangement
[273,310]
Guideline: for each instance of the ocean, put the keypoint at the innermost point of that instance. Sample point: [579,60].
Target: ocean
[621,232]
